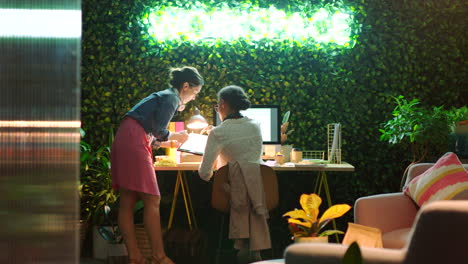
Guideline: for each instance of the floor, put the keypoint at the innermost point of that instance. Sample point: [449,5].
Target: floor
[95,261]
[91,261]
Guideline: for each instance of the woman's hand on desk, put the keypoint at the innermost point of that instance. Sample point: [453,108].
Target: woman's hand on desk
[206,130]
[170,144]
[175,140]
[180,136]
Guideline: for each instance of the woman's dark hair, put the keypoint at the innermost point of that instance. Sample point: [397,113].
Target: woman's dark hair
[235,97]
[179,76]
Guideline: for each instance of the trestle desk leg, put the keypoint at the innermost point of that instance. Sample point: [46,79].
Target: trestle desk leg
[181,183]
[322,180]
[184,195]
[189,200]
[318,184]
[174,200]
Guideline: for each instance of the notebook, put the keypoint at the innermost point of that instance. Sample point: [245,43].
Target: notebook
[195,144]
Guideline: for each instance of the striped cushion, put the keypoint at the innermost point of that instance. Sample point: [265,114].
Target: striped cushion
[443,181]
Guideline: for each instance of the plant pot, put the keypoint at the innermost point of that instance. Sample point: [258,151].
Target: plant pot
[461,127]
[458,143]
[322,239]
[99,244]
[286,151]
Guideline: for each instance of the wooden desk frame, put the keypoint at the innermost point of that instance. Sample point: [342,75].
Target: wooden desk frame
[181,183]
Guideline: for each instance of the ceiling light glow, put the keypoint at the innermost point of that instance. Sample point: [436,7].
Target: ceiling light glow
[324,26]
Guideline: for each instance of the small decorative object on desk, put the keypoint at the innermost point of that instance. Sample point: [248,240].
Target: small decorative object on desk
[286,151]
[312,158]
[334,143]
[172,150]
[279,158]
[164,161]
[161,157]
[305,222]
[313,155]
[189,157]
[296,155]
[284,128]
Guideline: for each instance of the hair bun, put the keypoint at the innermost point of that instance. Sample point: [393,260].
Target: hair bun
[185,74]
[244,104]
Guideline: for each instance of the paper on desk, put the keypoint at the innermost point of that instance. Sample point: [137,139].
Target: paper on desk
[195,144]
[299,165]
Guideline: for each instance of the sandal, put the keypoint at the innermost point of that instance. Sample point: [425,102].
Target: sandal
[163,260]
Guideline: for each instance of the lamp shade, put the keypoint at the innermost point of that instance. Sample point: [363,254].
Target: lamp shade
[197,121]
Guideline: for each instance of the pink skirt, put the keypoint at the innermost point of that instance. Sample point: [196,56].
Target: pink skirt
[132,159]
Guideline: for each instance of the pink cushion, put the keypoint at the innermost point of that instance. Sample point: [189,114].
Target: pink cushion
[396,239]
[443,181]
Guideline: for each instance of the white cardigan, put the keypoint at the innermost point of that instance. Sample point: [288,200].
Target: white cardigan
[233,140]
[248,215]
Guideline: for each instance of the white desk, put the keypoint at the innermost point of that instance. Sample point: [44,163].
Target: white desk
[193,166]
[181,183]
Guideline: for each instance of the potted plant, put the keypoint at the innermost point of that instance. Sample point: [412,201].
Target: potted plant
[100,182]
[96,182]
[304,223]
[110,233]
[458,118]
[458,138]
[284,128]
[116,251]
[97,192]
[285,149]
[86,159]
[422,129]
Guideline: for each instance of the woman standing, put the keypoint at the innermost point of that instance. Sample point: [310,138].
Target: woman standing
[144,127]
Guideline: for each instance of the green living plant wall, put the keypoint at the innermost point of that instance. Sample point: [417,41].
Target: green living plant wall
[412,48]
[396,53]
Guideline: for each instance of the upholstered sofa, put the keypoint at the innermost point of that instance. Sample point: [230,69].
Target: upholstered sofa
[439,235]
[436,232]
[393,213]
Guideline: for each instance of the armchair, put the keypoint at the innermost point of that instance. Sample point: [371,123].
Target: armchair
[430,241]
[392,213]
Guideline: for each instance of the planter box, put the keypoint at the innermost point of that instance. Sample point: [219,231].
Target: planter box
[103,250]
[461,127]
[99,244]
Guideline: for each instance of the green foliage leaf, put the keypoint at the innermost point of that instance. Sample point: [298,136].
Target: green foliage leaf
[353,254]
[331,232]
[286,117]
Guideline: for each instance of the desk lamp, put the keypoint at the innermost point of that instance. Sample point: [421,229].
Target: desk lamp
[197,121]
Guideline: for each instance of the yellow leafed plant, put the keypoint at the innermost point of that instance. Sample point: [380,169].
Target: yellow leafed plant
[305,222]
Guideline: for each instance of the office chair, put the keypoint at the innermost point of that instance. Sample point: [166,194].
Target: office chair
[220,198]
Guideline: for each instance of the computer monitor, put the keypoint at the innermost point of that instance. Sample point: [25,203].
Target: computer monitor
[269,118]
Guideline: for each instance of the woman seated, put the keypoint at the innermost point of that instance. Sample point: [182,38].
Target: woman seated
[237,142]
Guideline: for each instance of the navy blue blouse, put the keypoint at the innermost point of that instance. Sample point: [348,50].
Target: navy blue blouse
[156,111]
